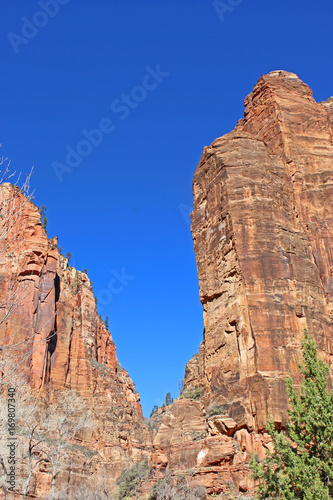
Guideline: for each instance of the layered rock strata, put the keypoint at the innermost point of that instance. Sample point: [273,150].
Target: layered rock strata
[263,232]
[51,331]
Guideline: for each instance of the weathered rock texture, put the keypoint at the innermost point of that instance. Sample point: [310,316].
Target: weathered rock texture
[262,227]
[63,345]
[263,231]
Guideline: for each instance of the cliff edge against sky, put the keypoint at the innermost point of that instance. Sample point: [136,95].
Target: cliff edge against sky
[51,332]
[262,228]
[263,232]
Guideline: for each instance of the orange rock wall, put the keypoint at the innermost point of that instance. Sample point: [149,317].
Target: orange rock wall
[262,230]
[61,343]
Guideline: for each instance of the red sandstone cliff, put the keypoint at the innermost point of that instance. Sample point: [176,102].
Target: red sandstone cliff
[263,232]
[50,324]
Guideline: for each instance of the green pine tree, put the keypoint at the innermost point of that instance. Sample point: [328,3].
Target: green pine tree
[168,399]
[42,211]
[153,411]
[301,465]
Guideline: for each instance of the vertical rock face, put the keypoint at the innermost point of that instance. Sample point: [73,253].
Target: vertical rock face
[263,233]
[262,227]
[49,312]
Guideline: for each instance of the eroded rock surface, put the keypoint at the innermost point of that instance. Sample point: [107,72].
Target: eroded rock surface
[262,229]
[64,345]
[263,232]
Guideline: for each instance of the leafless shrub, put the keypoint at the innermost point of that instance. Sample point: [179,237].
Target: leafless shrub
[173,487]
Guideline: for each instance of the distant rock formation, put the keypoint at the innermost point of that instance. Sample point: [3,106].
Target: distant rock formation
[62,344]
[262,226]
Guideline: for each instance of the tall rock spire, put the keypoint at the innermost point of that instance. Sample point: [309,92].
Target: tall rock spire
[262,228]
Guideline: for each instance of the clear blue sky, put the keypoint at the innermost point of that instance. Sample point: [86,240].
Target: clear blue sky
[182,72]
